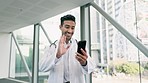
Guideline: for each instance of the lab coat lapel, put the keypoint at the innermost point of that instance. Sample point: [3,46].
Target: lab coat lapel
[74,65]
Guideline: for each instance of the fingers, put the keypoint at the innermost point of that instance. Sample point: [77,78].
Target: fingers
[82,59]
[84,52]
[62,48]
[63,39]
[81,56]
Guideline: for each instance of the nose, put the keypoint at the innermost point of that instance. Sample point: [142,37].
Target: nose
[69,30]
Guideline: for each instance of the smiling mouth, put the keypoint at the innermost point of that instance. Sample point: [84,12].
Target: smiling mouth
[67,34]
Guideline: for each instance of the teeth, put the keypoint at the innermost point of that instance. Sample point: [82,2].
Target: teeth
[66,33]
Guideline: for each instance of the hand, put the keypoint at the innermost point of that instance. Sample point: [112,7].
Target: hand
[61,48]
[82,58]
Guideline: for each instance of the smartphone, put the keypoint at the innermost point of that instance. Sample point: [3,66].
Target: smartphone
[81,44]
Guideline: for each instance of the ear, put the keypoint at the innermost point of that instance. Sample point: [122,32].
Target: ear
[60,26]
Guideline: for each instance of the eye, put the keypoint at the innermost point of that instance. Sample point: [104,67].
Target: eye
[72,28]
[67,26]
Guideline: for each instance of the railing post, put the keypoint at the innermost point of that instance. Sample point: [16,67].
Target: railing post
[85,31]
[35,54]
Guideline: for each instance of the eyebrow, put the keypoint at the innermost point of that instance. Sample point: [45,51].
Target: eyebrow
[69,25]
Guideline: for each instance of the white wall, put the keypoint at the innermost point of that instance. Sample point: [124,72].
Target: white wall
[4,54]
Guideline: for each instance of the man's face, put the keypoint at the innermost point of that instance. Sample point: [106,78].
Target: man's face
[68,29]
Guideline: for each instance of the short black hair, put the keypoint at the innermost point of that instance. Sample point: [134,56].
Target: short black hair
[67,17]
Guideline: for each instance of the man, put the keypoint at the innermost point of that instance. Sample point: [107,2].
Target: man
[62,60]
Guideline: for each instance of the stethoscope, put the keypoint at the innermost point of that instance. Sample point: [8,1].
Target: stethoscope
[54,43]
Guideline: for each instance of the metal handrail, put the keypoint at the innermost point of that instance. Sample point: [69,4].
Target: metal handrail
[132,39]
[22,57]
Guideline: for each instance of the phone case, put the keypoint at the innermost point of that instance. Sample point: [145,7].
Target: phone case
[81,44]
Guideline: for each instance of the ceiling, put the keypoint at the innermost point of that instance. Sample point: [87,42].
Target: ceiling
[15,14]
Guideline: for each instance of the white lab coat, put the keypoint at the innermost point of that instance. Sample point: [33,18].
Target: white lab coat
[76,71]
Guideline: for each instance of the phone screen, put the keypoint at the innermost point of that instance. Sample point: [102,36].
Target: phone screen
[81,44]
